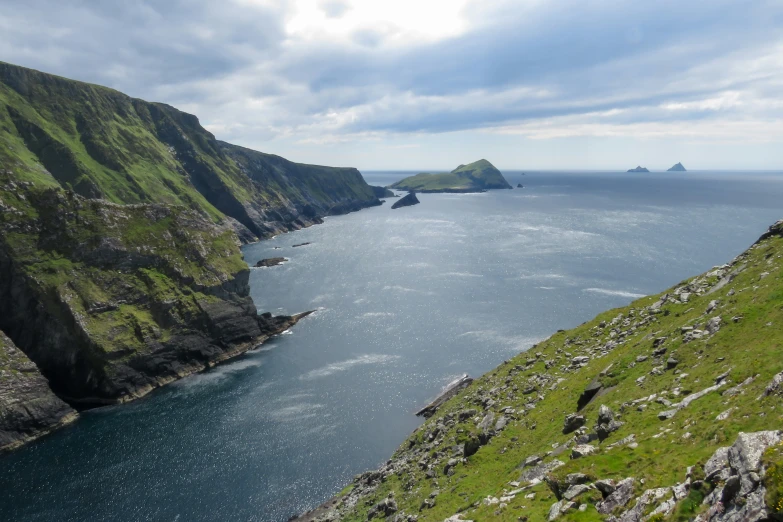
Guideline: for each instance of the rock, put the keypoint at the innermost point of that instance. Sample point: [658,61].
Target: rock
[450,391]
[520,185]
[383,508]
[406,201]
[605,414]
[531,461]
[618,498]
[712,306]
[28,407]
[604,430]
[449,465]
[538,472]
[605,486]
[558,508]
[466,414]
[713,325]
[301,245]
[590,391]
[582,450]
[573,422]
[271,261]
[456,518]
[671,363]
[501,423]
[486,423]
[576,490]
[774,387]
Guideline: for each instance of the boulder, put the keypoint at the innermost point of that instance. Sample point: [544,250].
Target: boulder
[622,494]
[582,450]
[573,422]
[270,261]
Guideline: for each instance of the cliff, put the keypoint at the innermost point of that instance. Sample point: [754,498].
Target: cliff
[667,409]
[28,408]
[101,143]
[120,226]
[475,177]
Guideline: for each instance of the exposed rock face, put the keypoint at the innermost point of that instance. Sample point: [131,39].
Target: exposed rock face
[407,201]
[28,408]
[111,301]
[271,261]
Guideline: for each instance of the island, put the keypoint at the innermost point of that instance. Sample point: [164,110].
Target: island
[407,201]
[520,185]
[677,168]
[639,169]
[271,261]
[478,176]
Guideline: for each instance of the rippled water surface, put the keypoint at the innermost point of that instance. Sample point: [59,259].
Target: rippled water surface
[406,301]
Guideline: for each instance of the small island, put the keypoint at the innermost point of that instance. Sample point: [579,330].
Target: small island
[478,176]
[678,167]
[271,261]
[407,201]
[639,169]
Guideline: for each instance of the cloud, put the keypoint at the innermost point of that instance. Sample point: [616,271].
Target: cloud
[328,71]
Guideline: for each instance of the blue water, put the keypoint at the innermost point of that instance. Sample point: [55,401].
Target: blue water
[406,301]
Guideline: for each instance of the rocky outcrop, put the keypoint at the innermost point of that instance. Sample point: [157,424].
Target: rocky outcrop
[28,408]
[450,391]
[270,261]
[407,201]
[638,169]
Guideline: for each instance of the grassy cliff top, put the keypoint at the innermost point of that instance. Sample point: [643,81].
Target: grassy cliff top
[478,175]
[684,372]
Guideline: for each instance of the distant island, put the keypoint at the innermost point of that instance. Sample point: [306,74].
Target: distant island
[474,177]
[639,169]
[677,168]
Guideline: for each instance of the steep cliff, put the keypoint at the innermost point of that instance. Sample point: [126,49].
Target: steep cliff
[112,300]
[28,408]
[101,143]
[120,226]
[667,409]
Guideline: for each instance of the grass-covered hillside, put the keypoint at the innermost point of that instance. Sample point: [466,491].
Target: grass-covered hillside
[622,418]
[474,177]
[101,143]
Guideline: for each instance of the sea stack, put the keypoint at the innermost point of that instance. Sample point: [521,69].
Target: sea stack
[407,201]
[639,169]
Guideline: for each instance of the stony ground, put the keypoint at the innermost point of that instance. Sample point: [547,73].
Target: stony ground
[668,409]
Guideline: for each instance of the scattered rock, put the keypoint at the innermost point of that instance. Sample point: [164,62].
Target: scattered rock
[582,450]
[573,422]
[622,494]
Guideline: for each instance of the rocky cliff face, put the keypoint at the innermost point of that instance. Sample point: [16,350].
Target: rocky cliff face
[120,226]
[668,409]
[28,408]
[111,301]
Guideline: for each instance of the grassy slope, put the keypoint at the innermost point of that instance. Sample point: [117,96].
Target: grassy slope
[102,143]
[752,346]
[477,175]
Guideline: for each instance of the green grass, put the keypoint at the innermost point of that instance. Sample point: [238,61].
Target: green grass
[753,346]
[474,176]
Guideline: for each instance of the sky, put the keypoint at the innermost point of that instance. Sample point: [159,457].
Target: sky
[430,84]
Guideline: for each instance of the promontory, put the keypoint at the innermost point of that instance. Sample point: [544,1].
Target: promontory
[478,176]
